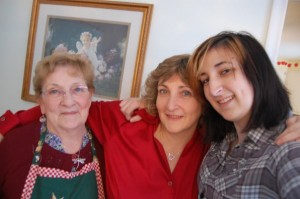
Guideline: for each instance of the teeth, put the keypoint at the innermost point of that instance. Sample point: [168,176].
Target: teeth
[173,116]
[225,100]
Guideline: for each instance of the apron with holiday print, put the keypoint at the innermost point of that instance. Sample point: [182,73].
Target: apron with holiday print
[44,182]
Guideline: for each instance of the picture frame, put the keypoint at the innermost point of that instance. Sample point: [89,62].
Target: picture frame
[117,31]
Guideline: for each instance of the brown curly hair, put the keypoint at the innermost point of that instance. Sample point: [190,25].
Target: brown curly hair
[173,65]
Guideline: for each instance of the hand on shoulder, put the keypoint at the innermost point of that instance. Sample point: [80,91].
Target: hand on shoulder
[128,106]
[292,131]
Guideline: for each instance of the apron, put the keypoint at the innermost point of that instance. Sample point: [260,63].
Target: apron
[44,182]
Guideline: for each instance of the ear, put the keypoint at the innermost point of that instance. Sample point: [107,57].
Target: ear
[92,92]
[42,105]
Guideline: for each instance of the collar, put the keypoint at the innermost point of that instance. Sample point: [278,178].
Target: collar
[256,138]
[55,142]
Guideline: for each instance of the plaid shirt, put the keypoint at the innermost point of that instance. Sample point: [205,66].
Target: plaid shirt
[257,168]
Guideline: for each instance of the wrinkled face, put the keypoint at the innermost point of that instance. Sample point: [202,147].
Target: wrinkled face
[178,109]
[226,86]
[65,100]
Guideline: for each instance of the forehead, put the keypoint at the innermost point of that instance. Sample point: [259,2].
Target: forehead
[216,57]
[173,78]
[63,73]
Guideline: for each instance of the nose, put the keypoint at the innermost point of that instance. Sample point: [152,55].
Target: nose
[215,87]
[67,99]
[172,102]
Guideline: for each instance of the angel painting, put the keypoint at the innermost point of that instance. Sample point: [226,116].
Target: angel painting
[87,46]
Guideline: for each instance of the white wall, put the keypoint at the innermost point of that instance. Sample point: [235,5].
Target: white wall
[178,26]
[290,41]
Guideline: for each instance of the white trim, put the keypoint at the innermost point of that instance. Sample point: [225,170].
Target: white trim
[277,17]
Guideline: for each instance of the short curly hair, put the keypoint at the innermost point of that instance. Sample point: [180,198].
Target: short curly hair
[48,64]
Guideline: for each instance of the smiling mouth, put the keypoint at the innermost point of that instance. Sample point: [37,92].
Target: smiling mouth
[225,100]
[173,116]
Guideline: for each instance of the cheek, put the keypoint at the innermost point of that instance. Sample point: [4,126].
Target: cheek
[47,106]
[85,105]
[196,110]
[160,104]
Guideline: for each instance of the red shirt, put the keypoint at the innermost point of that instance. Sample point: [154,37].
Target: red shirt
[135,162]
[136,165]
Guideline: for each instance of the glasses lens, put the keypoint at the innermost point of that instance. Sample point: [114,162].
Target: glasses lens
[79,91]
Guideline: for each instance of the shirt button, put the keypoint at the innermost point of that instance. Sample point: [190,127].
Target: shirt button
[170,183]
[2,119]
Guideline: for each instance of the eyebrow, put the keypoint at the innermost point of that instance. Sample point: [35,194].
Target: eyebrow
[222,62]
[217,65]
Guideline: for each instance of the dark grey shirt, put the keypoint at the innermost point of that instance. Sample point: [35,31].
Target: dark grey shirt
[257,168]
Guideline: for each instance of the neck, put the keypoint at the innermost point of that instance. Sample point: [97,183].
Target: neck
[71,139]
[172,142]
[241,135]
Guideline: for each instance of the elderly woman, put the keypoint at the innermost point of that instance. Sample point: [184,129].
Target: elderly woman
[56,156]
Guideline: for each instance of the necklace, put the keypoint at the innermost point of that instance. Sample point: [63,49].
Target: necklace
[77,161]
[171,156]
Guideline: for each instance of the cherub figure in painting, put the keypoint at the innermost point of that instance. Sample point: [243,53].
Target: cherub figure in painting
[88,46]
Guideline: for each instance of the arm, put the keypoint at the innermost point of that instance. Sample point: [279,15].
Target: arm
[9,120]
[129,106]
[292,131]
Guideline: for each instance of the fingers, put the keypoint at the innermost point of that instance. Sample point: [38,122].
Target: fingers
[1,137]
[135,118]
[292,120]
[292,132]
[128,106]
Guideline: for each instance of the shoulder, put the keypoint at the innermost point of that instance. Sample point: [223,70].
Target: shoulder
[146,117]
[287,151]
[287,158]
[22,136]
[25,130]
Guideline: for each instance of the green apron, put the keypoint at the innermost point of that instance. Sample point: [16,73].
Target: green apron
[43,182]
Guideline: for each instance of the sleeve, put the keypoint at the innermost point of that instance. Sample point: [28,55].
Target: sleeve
[9,120]
[105,119]
[288,170]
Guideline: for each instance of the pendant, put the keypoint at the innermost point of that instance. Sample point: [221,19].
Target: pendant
[78,160]
[171,156]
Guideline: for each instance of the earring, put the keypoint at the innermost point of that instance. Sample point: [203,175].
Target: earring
[43,118]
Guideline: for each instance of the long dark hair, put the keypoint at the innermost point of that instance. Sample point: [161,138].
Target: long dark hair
[271,103]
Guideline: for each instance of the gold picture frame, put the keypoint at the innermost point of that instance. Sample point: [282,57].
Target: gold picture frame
[109,20]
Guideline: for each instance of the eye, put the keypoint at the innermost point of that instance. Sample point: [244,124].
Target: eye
[162,91]
[186,93]
[204,81]
[78,90]
[54,91]
[226,71]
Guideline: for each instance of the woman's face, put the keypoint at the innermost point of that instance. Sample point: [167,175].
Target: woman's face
[178,109]
[226,87]
[68,110]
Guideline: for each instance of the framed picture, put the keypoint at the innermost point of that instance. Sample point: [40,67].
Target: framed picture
[113,35]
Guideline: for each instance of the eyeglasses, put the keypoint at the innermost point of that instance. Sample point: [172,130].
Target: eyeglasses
[58,93]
